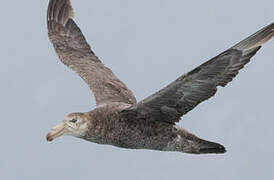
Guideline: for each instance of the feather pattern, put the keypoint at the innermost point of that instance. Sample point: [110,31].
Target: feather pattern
[74,51]
[189,90]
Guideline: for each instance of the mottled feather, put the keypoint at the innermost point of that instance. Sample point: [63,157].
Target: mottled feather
[74,51]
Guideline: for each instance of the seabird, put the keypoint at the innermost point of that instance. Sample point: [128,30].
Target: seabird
[118,119]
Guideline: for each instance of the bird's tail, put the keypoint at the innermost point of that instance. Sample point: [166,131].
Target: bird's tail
[195,145]
[256,40]
[205,147]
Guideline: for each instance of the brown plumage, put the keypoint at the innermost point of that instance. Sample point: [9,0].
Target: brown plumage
[150,124]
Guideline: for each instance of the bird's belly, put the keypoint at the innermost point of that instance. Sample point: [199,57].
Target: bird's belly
[144,136]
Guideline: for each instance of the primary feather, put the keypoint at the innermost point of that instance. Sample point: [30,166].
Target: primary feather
[189,90]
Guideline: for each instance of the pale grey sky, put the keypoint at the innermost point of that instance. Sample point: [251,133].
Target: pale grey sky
[147,44]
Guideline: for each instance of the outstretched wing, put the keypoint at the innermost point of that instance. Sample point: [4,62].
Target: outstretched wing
[74,51]
[189,90]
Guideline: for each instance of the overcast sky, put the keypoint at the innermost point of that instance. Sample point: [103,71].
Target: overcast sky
[148,44]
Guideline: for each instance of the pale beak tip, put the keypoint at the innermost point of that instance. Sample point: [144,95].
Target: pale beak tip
[55,132]
[49,137]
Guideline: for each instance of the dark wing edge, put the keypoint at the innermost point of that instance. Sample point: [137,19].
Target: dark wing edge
[189,90]
[74,51]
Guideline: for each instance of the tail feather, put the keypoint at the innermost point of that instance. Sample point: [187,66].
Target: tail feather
[195,145]
[210,147]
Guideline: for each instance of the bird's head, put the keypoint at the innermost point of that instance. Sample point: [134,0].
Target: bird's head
[75,124]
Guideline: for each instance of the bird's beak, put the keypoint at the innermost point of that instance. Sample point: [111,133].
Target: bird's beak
[56,132]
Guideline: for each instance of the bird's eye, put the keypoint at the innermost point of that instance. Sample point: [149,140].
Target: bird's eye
[73,120]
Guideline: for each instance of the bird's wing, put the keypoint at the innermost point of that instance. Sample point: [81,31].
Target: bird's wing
[74,51]
[189,90]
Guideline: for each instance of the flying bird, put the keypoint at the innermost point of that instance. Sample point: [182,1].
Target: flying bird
[118,119]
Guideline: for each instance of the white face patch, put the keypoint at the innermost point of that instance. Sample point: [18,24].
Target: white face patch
[76,126]
[78,130]
[81,130]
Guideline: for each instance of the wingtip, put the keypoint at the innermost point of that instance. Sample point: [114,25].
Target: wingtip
[257,39]
[60,11]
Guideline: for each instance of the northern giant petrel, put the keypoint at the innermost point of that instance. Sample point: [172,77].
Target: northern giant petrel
[151,123]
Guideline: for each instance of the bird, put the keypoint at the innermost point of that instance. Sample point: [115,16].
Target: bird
[152,123]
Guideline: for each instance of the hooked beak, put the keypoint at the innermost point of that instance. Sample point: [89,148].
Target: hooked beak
[57,131]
